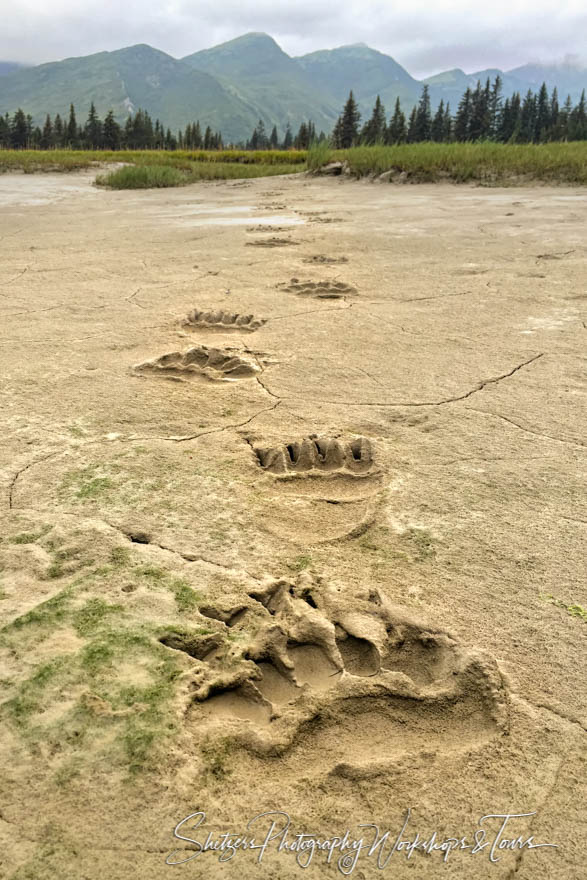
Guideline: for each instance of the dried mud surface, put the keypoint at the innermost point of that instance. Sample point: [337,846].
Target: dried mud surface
[335,567]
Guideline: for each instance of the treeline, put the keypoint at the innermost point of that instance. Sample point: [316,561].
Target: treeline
[301,141]
[482,114]
[138,133]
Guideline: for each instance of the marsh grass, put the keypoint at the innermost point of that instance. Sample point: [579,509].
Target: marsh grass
[196,164]
[165,175]
[487,162]
[143,177]
[318,155]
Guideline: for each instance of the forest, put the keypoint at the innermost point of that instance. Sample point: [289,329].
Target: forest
[481,115]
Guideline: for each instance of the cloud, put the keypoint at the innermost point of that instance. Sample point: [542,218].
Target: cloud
[455,33]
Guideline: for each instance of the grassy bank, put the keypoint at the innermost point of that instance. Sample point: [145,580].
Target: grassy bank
[485,162]
[32,161]
[148,176]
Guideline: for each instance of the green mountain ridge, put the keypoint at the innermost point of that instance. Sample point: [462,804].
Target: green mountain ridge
[230,86]
[9,67]
[124,80]
[366,71]
[269,81]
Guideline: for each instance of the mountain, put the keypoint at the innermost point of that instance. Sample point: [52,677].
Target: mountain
[568,78]
[125,80]
[9,67]
[276,88]
[231,86]
[367,72]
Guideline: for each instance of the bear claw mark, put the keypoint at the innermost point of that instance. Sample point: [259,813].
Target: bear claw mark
[274,241]
[220,320]
[322,259]
[318,289]
[199,362]
[317,453]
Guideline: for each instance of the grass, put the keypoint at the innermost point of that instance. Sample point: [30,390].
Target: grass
[87,483]
[484,162]
[150,176]
[574,609]
[143,177]
[318,155]
[110,698]
[186,598]
[31,161]
[487,162]
[300,563]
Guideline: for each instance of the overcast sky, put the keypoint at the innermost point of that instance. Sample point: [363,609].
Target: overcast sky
[424,37]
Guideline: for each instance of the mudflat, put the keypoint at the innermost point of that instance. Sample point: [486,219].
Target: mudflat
[293,499]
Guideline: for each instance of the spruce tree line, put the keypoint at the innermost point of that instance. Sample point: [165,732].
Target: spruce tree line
[482,114]
[138,133]
[301,141]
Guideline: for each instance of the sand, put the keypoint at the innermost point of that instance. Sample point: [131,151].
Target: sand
[300,464]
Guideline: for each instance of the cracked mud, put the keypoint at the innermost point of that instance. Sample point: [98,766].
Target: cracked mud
[336,566]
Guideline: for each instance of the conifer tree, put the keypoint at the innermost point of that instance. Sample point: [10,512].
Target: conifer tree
[411,133]
[397,130]
[480,123]
[302,139]
[495,105]
[262,141]
[5,131]
[274,138]
[555,116]
[288,138]
[438,124]
[19,131]
[565,119]
[71,134]
[578,120]
[528,118]
[336,136]
[208,138]
[543,117]
[423,122]
[47,135]
[374,130]
[111,133]
[58,131]
[93,129]
[516,118]
[349,134]
[170,141]
[463,118]
[447,130]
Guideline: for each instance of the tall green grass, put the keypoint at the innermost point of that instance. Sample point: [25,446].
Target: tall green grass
[318,155]
[149,176]
[31,161]
[484,162]
[143,177]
